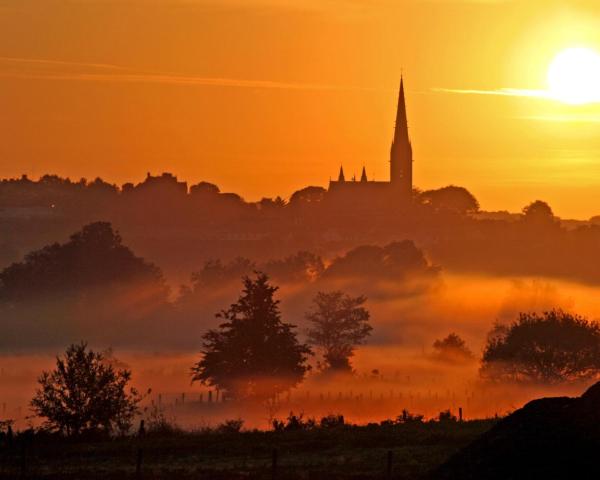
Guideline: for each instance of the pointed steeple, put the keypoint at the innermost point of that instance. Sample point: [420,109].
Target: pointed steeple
[363,177]
[401,129]
[401,151]
[341,177]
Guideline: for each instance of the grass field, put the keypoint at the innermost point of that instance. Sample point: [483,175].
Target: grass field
[342,452]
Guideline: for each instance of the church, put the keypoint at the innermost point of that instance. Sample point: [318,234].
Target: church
[399,189]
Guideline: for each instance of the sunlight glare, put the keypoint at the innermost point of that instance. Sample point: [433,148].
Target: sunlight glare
[574,76]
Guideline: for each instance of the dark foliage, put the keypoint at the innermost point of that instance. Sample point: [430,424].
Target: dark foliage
[215,273]
[452,349]
[550,348]
[538,211]
[338,324]
[303,266]
[93,257]
[394,261]
[84,394]
[253,354]
[339,452]
[450,199]
[307,196]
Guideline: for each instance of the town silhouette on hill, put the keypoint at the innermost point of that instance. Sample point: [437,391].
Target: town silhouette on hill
[175,224]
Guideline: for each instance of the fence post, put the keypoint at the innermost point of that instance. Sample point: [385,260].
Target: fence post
[274,464]
[9,437]
[138,463]
[460,416]
[142,429]
[389,465]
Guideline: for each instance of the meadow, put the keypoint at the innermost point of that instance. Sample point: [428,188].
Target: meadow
[389,449]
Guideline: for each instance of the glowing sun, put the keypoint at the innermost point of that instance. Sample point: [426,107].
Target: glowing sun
[574,76]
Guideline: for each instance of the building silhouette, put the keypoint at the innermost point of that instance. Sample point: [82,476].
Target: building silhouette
[399,188]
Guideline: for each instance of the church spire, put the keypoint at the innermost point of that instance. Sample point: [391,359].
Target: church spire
[363,177]
[401,151]
[341,177]
[401,129]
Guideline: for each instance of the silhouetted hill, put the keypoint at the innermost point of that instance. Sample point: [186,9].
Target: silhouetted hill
[547,438]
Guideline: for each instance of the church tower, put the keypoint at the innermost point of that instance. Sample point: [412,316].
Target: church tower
[401,153]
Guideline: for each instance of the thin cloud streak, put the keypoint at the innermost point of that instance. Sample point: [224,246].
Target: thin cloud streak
[41,61]
[137,76]
[504,92]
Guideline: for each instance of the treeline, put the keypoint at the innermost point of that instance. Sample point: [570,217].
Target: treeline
[177,225]
[95,285]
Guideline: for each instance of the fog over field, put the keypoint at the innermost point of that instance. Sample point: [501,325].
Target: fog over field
[396,369]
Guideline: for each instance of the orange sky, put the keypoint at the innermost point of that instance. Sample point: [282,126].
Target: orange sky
[265,96]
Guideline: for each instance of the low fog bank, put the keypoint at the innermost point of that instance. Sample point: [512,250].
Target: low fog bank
[412,313]
[387,380]
[396,369]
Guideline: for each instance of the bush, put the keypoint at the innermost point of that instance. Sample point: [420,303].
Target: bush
[231,426]
[550,348]
[407,417]
[294,423]
[332,421]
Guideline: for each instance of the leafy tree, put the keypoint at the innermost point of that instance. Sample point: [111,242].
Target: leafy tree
[93,257]
[253,354]
[539,214]
[339,324]
[451,198]
[551,348]
[300,267]
[394,261]
[85,394]
[307,196]
[205,188]
[452,348]
[215,273]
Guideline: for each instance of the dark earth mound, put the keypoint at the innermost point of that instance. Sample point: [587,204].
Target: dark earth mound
[549,438]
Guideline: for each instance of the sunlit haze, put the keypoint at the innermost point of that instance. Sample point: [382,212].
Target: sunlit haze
[264,97]
[574,76]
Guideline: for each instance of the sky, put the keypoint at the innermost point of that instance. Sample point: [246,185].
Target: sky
[264,97]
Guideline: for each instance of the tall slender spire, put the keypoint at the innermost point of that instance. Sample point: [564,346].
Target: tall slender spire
[341,177]
[401,151]
[363,177]
[401,129]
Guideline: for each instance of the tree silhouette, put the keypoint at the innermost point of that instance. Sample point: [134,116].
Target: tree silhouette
[450,199]
[395,261]
[550,348]
[307,196]
[84,393]
[94,256]
[452,348]
[339,324]
[538,214]
[253,354]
